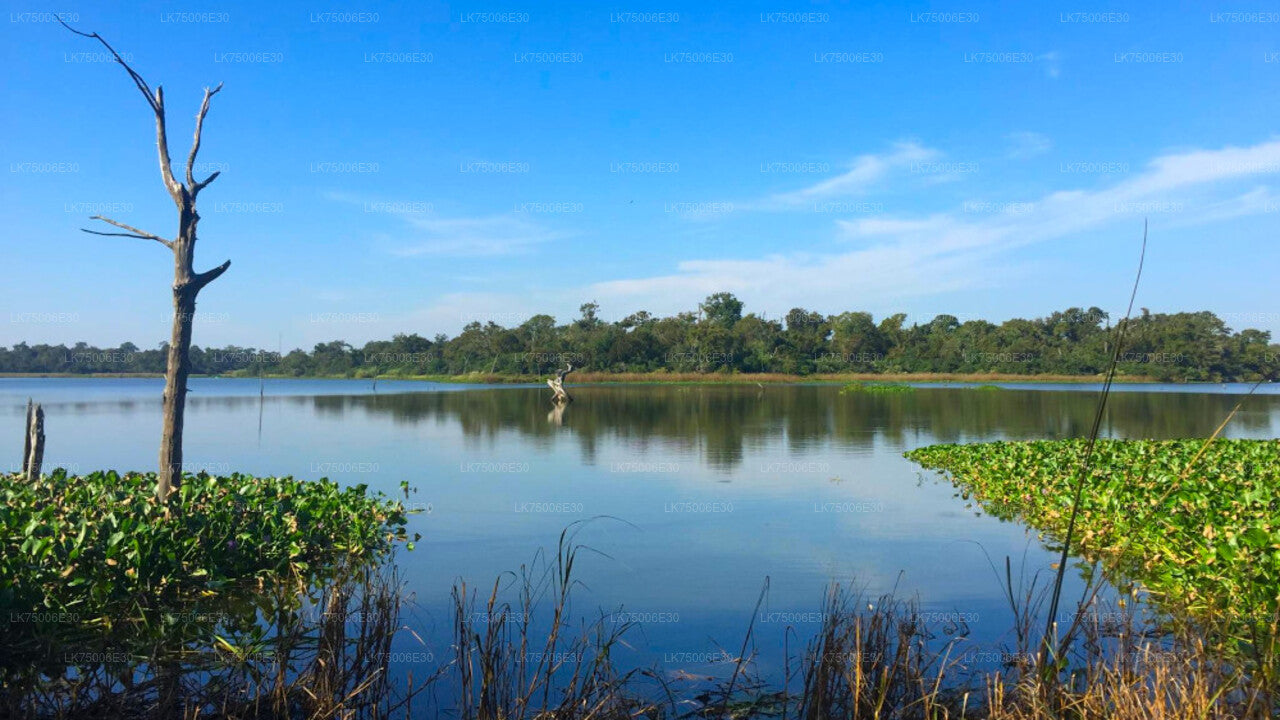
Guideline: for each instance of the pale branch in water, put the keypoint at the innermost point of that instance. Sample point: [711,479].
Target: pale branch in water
[557,386]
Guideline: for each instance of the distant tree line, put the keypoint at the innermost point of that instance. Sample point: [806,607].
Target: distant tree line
[719,338]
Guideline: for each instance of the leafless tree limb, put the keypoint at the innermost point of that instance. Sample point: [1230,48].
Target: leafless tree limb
[156,100]
[568,368]
[137,79]
[199,280]
[195,189]
[195,143]
[162,145]
[133,232]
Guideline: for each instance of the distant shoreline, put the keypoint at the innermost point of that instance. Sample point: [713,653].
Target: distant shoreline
[660,378]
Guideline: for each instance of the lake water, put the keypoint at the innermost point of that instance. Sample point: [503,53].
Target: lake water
[701,492]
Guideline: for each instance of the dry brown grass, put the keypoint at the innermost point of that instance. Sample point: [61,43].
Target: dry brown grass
[868,660]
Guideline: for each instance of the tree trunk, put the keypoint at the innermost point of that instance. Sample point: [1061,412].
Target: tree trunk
[175,392]
[186,285]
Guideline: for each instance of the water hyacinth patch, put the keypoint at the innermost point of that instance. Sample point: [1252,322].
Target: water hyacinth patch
[95,557]
[1197,524]
[876,388]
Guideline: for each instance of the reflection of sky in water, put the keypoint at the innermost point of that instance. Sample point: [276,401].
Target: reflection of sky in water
[714,489]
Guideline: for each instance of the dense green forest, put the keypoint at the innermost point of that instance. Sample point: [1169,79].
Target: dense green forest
[718,337]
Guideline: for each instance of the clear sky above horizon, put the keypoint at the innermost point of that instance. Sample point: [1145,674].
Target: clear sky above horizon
[411,167]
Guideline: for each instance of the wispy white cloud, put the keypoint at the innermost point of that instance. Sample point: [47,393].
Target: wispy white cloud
[894,259]
[1027,144]
[944,252]
[482,236]
[875,274]
[425,232]
[1052,62]
[862,176]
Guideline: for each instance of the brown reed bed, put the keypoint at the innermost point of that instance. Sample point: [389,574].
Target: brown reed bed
[875,659]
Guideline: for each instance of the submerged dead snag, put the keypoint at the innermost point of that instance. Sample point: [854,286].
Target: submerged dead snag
[557,386]
[186,282]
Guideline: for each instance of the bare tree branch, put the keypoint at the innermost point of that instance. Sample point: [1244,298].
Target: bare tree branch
[565,372]
[156,101]
[133,232]
[199,280]
[195,144]
[162,144]
[129,235]
[195,189]
[137,79]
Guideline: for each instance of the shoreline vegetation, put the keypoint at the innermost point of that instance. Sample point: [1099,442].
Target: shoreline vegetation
[657,378]
[870,657]
[117,605]
[719,342]
[519,649]
[1194,523]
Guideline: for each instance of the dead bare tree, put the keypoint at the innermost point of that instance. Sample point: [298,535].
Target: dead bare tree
[186,282]
[557,386]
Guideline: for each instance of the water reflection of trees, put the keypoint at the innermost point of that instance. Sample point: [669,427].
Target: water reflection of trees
[723,421]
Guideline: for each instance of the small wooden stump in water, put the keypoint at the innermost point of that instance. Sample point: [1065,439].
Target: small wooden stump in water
[33,447]
[557,386]
[26,437]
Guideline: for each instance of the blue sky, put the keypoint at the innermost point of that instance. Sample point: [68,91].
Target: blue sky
[422,165]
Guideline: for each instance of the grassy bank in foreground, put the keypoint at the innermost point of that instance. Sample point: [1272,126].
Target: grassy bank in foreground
[1197,522]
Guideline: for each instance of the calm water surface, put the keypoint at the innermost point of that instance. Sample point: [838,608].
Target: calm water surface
[714,489]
